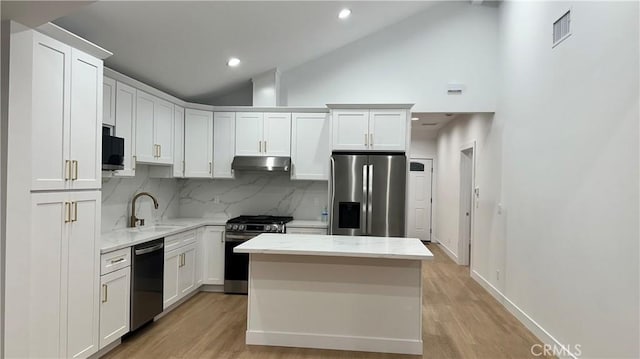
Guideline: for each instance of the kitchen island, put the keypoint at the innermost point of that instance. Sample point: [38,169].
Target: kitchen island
[335,292]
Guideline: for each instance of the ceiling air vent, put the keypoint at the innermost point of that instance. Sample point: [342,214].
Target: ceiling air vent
[562,28]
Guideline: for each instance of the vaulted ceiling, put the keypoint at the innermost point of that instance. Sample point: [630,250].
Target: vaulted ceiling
[182,47]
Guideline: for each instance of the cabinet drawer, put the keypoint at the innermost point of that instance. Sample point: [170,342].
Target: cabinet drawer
[306,230]
[115,260]
[178,240]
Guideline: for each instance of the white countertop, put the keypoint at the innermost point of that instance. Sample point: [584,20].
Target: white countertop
[339,246]
[128,237]
[301,223]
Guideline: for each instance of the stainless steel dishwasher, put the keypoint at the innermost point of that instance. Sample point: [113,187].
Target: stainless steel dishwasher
[147,282]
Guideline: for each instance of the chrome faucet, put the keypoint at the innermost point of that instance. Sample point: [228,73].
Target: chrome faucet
[133,222]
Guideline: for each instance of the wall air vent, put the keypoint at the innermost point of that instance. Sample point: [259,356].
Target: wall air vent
[562,28]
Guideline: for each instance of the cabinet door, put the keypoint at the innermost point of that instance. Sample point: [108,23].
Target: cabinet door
[46,300]
[387,130]
[350,129]
[187,273]
[50,113]
[109,101]
[178,141]
[224,128]
[198,150]
[83,273]
[85,147]
[199,270]
[310,146]
[213,243]
[145,144]
[115,302]
[171,267]
[163,130]
[277,134]
[125,126]
[248,135]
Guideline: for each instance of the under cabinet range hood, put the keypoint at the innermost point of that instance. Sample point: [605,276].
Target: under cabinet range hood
[261,163]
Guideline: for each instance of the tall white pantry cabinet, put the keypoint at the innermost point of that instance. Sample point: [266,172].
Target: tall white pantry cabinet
[53,182]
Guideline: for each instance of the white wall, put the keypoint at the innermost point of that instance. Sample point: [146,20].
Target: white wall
[561,156]
[409,62]
[423,143]
[570,171]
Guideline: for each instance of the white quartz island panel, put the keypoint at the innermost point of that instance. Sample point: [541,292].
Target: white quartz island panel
[335,292]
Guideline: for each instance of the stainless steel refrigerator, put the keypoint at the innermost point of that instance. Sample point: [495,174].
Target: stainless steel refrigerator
[367,194]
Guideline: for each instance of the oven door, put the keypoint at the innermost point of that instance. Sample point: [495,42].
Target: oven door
[236,265]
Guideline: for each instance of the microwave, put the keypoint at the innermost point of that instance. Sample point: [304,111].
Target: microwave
[112,152]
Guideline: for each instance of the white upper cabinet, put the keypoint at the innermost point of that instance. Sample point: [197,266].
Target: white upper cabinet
[263,134]
[277,134]
[154,129]
[310,146]
[85,145]
[350,130]
[387,130]
[249,132]
[224,128]
[108,101]
[198,147]
[125,126]
[178,141]
[66,92]
[369,130]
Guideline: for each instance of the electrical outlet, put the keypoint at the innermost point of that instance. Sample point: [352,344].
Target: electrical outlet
[216,199]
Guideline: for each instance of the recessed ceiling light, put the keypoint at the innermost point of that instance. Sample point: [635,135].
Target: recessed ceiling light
[233,62]
[344,13]
[414,119]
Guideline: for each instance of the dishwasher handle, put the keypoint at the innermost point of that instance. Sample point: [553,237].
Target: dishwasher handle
[146,250]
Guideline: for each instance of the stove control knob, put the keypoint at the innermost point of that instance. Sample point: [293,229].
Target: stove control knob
[267,228]
[241,227]
[228,226]
[235,227]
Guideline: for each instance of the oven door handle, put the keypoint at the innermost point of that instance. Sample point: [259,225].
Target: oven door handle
[237,238]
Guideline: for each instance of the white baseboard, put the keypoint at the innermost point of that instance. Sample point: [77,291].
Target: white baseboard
[523,317]
[449,252]
[339,342]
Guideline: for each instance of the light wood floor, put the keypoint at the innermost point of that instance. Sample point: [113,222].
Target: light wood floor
[460,320]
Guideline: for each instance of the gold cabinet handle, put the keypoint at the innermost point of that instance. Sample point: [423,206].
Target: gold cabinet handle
[133,163]
[260,146]
[67,212]
[371,139]
[366,140]
[121,259]
[75,212]
[75,170]
[159,150]
[265,146]
[67,170]
[105,290]
[209,167]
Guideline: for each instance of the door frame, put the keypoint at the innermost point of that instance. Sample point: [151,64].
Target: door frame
[432,238]
[464,253]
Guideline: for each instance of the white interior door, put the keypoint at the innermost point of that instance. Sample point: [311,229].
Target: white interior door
[420,199]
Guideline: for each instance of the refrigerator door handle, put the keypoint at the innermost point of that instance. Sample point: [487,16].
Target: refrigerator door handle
[370,201]
[332,197]
[364,221]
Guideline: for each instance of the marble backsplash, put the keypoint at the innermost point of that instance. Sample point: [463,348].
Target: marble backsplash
[117,193]
[250,193]
[253,193]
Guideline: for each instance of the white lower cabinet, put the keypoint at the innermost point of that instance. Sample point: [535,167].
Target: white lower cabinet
[179,273]
[213,243]
[65,270]
[115,302]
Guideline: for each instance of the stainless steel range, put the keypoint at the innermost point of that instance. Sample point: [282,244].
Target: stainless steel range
[239,230]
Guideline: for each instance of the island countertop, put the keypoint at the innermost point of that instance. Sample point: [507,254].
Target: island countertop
[338,246]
